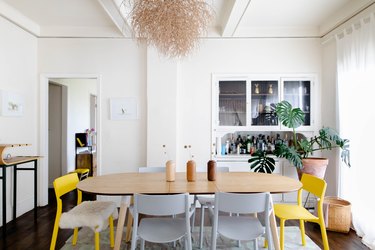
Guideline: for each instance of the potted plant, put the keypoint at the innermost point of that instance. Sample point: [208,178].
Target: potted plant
[299,152]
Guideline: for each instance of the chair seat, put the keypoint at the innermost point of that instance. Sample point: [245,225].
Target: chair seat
[168,229]
[206,200]
[93,214]
[237,227]
[293,212]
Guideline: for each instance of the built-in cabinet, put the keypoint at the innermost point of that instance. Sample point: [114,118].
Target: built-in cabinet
[85,153]
[245,104]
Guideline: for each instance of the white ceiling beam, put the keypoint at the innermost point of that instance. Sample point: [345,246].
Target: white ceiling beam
[237,10]
[117,18]
[19,19]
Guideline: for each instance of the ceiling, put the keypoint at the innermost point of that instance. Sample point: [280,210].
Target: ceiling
[233,18]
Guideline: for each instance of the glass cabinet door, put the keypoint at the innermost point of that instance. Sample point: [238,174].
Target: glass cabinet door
[298,93]
[264,97]
[232,103]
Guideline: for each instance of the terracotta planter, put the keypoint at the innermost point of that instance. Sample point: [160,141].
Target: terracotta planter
[313,166]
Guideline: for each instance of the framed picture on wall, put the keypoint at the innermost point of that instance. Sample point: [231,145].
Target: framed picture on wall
[125,108]
[11,103]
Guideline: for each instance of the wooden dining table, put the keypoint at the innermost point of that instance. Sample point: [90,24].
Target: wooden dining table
[127,184]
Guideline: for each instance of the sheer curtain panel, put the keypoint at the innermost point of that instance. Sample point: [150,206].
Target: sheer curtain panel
[356,96]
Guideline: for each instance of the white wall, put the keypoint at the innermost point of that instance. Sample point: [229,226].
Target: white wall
[18,64]
[122,67]
[329,111]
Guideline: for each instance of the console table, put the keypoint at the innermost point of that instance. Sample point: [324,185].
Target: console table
[8,162]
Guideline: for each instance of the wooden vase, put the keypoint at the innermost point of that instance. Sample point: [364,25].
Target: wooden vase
[211,170]
[170,170]
[191,170]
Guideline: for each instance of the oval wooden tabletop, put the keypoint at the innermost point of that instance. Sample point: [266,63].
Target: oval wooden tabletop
[248,182]
[155,183]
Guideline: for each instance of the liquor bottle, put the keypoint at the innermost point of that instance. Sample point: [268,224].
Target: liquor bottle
[248,144]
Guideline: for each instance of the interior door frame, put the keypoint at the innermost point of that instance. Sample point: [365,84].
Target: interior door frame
[43,129]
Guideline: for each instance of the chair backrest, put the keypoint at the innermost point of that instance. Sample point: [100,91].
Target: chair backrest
[161,205]
[151,169]
[314,185]
[243,203]
[65,184]
[218,169]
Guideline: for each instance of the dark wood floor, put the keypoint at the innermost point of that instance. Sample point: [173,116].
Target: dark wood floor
[25,233]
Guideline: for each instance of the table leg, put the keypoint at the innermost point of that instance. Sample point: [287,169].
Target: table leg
[4,179]
[15,192]
[275,235]
[129,225]
[35,189]
[121,221]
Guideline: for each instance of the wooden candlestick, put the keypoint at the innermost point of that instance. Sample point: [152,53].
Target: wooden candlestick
[170,170]
[191,170]
[211,170]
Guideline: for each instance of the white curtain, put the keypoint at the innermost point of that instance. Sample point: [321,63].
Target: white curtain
[356,95]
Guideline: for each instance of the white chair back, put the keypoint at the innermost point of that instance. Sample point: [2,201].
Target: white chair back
[161,205]
[151,169]
[218,169]
[243,203]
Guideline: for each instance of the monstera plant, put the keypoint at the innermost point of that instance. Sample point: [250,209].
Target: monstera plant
[299,150]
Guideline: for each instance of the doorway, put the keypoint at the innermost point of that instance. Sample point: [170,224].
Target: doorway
[68,105]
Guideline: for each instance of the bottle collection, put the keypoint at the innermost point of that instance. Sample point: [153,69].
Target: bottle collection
[248,144]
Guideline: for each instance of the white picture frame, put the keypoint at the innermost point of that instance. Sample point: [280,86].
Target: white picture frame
[125,108]
[11,103]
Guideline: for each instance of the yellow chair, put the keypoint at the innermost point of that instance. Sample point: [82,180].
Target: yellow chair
[83,173]
[285,212]
[94,214]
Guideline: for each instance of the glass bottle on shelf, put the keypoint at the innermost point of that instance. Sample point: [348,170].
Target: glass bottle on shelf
[264,98]
[298,93]
[232,103]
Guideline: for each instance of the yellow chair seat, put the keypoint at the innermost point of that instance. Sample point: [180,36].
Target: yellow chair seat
[293,212]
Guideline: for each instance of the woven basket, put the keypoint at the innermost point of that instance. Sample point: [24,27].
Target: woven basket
[339,214]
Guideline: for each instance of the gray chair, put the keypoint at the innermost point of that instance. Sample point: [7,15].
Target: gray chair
[151,169]
[161,229]
[205,201]
[239,228]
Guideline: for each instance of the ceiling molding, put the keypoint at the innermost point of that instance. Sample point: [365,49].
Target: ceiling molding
[14,16]
[350,10]
[237,10]
[114,12]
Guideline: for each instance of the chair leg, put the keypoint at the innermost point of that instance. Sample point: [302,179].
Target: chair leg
[55,232]
[142,244]
[111,233]
[255,244]
[324,234]
[97,244]
[201,227]
[302,229]
[282,227]
[75,236]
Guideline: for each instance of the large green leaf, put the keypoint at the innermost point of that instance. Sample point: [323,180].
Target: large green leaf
[289,153]
[261,162]
[290,117]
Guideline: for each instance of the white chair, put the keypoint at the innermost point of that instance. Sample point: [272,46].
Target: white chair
[130,218]
[161,229]
[151,169]
[241,227]
[205,201]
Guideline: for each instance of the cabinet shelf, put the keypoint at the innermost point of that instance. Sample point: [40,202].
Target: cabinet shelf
[263,94]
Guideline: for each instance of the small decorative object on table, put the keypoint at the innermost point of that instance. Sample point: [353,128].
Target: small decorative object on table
[170,170]
[211,170]
[191,170]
